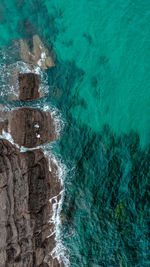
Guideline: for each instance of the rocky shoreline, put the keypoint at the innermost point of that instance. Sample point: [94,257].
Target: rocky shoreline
[28,180]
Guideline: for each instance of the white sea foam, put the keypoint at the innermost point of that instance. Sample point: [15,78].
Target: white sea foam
[7,136]
[30,68]
[9,82]
[42,59]
[59,122]
[43,56]
[59,251]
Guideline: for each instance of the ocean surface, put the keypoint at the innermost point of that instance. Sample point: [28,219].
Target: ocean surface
[101,89]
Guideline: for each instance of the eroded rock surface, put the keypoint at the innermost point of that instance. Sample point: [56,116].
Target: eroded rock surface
[28,86]
[26,185]
[31,128]
[39,55]
[28,127]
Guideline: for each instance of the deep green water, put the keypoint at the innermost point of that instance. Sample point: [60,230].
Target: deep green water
[101,85]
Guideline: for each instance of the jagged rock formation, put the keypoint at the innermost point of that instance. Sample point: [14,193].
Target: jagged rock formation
[28,86]
[39,55]
[26,185]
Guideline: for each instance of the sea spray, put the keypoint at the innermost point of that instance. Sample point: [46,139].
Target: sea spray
[9,79]
[59,251]
[8,136]
[57,117]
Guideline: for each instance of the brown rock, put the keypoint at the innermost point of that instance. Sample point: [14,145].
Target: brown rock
[31,128]
[3,126]
[4,121]
[28,127]
[25,189]
[28,86]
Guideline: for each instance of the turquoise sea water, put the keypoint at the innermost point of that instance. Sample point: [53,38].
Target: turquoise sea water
[101,85]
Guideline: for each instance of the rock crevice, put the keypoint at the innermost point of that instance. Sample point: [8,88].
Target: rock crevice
[26,185]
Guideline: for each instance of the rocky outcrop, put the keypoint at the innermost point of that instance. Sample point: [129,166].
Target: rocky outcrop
[26,185]
[29,127]
[28,86]
[22,86]
[30,189]
[39,55]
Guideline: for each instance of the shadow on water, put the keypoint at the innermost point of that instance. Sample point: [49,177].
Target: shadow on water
[106,202]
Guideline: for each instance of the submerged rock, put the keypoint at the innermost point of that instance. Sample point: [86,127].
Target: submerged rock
[26,185]
[39,55]
[28,86]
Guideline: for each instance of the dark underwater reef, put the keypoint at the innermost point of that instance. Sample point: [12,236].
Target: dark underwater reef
[106,207]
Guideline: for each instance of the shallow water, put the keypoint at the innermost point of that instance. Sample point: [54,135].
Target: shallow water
[101,87]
